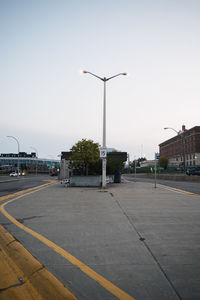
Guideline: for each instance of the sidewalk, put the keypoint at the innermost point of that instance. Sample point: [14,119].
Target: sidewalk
[145,241]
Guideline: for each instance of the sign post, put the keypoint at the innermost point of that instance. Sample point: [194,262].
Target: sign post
[103,156]
[157,156]
[103,152]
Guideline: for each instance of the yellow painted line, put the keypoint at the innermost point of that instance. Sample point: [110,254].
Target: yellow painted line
[23,276]
[26,191]
[179,191]
[109,286]
[167,187]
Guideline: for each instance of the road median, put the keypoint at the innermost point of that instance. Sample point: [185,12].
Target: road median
[23,276]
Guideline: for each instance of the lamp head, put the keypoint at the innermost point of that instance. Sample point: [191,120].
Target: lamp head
[125,74]
[83,72]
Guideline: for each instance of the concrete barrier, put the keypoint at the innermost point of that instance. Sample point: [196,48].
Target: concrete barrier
[87,181]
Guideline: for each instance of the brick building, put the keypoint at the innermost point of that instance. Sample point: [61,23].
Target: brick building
[183,149]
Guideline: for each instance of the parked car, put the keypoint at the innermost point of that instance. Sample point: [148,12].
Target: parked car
[193,171]
[13,174]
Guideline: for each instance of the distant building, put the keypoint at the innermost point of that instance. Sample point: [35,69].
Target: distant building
[147,163]
[183,149]
[21,154]
[9,161]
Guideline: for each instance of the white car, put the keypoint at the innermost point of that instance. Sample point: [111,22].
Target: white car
[13,174]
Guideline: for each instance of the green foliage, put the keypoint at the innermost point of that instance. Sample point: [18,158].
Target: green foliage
[113,165]
[85,153]
[85,159]
[163,161]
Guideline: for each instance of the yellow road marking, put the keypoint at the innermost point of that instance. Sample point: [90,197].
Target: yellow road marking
[27,190]
[179,191]
[167,187]
[113,289]
[23,276]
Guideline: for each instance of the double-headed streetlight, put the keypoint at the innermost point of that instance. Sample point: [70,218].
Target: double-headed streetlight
[181,133]
[103,153]
[10,136]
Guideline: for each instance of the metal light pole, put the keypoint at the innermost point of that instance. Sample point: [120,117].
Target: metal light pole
[36,166]
[135,169]
[181,133]
[104,159]
[10,136]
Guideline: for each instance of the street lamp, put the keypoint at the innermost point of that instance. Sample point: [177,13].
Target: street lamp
[10,136]
[172,129]
[104,79]
[181,133]
[36,167]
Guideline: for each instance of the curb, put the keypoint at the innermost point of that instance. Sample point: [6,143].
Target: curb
[24,277]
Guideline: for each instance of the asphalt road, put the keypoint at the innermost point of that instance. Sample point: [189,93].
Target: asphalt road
[10,185]
[193,187]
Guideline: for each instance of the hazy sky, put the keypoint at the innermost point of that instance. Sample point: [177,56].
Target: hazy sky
[47,104]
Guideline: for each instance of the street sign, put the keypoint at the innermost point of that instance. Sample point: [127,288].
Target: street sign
[103,152]
[157,155]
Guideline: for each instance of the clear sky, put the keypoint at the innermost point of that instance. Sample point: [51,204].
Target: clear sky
[47,104]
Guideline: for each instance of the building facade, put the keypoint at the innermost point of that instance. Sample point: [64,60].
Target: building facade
[28,162]
[183,149]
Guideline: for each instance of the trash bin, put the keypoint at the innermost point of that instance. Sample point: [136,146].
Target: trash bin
[117,177]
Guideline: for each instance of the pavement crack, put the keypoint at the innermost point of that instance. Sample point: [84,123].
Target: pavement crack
[141,238]
[14,240]
[20,283]
[5,224]
[36,271]
[21,220]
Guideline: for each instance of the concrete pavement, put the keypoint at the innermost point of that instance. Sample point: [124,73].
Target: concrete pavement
[21,275]
[131,240]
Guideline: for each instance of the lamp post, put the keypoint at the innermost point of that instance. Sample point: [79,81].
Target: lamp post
[36,166]
[18,147]
[181,133]
[135,166]
[104,79]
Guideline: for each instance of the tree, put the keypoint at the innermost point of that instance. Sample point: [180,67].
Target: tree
[84,154]
[113,165]
[163,161]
